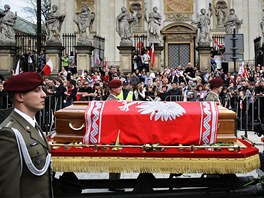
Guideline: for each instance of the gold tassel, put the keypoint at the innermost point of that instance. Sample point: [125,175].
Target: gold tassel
[156,165]
[117,145]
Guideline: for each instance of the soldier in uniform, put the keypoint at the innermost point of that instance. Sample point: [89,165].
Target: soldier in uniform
[215,89]
[115,89]
[25,163]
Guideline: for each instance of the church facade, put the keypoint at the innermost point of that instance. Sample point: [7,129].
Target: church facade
[178,33]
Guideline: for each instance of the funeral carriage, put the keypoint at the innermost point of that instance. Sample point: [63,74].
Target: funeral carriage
[152,137]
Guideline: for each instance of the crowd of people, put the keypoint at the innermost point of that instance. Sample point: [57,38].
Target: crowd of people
[182,83]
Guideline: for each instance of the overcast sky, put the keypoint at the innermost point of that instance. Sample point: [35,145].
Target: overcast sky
[16,6]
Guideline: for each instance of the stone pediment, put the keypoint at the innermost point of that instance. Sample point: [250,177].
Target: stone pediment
[179,28]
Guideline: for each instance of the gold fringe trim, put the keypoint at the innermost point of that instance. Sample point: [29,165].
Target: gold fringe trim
[156,165]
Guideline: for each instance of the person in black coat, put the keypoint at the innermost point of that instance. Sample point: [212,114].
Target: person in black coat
[175,92]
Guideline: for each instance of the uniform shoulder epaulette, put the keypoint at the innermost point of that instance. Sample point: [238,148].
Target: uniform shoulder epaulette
[9,124]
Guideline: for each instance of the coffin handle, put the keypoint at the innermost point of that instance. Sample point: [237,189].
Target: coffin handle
[76,129]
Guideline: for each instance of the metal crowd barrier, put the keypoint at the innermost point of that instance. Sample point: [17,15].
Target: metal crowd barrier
[174,98]
[250,110]
[5,103]
[45,117]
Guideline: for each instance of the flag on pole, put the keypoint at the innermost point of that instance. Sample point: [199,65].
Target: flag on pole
[97,57]
[47,69]
[17,67]
[82,76]
[241,104]
[152,55]
[83,73]
[105,62]
[140,47]
[216,44]
[243,71]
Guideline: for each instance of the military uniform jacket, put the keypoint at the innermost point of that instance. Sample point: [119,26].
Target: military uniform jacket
[211,96]
[111,97]
[26,185]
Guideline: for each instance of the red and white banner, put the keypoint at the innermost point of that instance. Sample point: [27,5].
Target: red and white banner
[152,55]
[48,68]
[217,45]
[243,71]
[17,68]
[149,122]
[97,60]
[140,47]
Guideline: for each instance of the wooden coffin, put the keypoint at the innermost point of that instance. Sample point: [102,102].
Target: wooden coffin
[70,124]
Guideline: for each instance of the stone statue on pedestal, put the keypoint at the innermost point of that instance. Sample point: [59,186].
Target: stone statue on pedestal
[84,23]
[221,13]
[7,23]
[154,21]
[203,23]
[232,22]
[53,25]
[123,27]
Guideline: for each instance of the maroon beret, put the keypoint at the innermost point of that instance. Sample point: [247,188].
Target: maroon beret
[23,82]
[216,82]
[114,84]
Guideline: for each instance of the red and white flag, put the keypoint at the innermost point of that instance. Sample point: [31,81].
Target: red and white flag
[243,71]
[152,55]
[241,104]
[105,62]
[217,45]
[48,68]
[17,67]
[131,122]
[97,57]
[82,74]
[140,47]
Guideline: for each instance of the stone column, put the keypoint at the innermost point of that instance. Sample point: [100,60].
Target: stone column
[54,54]
[126,57]
[7,59]
[204,57]
[84,57]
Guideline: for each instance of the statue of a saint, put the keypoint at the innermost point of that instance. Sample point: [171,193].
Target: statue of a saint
[7,23]
[154,22]
[53,24]
[84,23]
[232,23]
[221,13]
[203,23]
[123,26]
[135,10]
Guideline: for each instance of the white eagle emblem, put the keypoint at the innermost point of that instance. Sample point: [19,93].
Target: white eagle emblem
[161,110]
[157,110]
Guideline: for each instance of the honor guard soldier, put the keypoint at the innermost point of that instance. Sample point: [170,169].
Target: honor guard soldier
[25,163]
[115,87]
[216,86]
